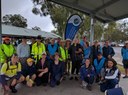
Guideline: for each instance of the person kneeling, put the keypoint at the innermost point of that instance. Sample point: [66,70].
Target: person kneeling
[56,71]
[110,76]
[11,74]
[29,72]
[87,74]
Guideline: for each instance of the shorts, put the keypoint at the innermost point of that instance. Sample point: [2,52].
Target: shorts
[125,63]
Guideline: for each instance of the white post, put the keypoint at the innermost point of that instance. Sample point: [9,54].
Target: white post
[92,30]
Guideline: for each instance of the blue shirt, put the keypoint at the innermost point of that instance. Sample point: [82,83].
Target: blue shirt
[124,53]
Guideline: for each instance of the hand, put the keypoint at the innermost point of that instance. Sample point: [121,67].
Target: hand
[80,50]
[6,87]
[88,75]
[41,74]
[109,56]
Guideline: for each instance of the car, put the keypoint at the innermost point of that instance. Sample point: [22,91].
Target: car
[113,44]
[121,45]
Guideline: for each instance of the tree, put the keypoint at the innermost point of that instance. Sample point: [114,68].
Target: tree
[15,20]
[36,28]
[59,15]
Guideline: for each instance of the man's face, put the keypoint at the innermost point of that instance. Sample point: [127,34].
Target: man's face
[38,40]
[107,43]
[7,41]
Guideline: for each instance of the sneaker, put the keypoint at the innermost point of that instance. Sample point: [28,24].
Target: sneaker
[89,87]
[71,78]
[83,85]
[13,89]
[125,76]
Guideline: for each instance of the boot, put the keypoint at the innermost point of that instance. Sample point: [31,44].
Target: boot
[13,89]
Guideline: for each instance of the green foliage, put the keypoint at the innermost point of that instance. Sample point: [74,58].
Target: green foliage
[15,20]
[60,14]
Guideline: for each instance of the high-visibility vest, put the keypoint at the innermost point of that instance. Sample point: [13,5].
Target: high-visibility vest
[62,53]
[67,55]
[1,56]
[37,50]
[8,50]
[10,70]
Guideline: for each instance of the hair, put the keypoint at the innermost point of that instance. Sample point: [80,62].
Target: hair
[113,61]
[87,43]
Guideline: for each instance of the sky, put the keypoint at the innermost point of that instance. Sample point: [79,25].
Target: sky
[24,7]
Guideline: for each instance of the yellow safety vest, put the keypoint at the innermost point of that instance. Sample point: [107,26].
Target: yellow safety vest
[1,56]
[8,50]
[10,70]
[62,53]
[38,50]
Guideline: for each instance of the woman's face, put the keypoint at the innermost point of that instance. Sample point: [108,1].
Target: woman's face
[43,56]
[15,59]
[56,57]
[30,63]
[110,64]
[87,62]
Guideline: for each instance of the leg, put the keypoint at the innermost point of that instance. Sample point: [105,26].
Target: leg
[44,79]
[112,83]
[103,87]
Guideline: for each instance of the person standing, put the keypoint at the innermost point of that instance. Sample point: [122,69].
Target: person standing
[68,63]
[37,48]
[124,53]
[87,51]
[52,48]
[83,41]
[7,49]
[108,51]
[95,49]
[23,51]
[76,54]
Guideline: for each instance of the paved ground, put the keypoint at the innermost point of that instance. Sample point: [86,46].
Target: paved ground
[67,87]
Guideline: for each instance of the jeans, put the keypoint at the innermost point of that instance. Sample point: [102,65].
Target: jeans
[109,84]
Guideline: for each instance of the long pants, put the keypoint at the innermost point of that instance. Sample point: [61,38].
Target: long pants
[42,80]
[76,66]
[55,79]
[89,80]
[109,84]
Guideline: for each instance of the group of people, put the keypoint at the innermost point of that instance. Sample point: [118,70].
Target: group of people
[49,62]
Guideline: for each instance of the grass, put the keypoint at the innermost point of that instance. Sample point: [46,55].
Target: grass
[121,68]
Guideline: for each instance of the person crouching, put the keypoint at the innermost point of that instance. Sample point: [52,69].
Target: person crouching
[110,76]
[29,72]
[87,74]
[11,75]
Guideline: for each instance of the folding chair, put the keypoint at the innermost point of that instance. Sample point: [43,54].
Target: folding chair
[114,91]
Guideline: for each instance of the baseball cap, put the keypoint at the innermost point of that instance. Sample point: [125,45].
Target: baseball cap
[29,60]
[6,38]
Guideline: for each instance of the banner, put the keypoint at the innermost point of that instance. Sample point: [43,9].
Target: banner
[72,26]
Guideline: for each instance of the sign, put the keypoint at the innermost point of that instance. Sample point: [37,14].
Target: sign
[72,26]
